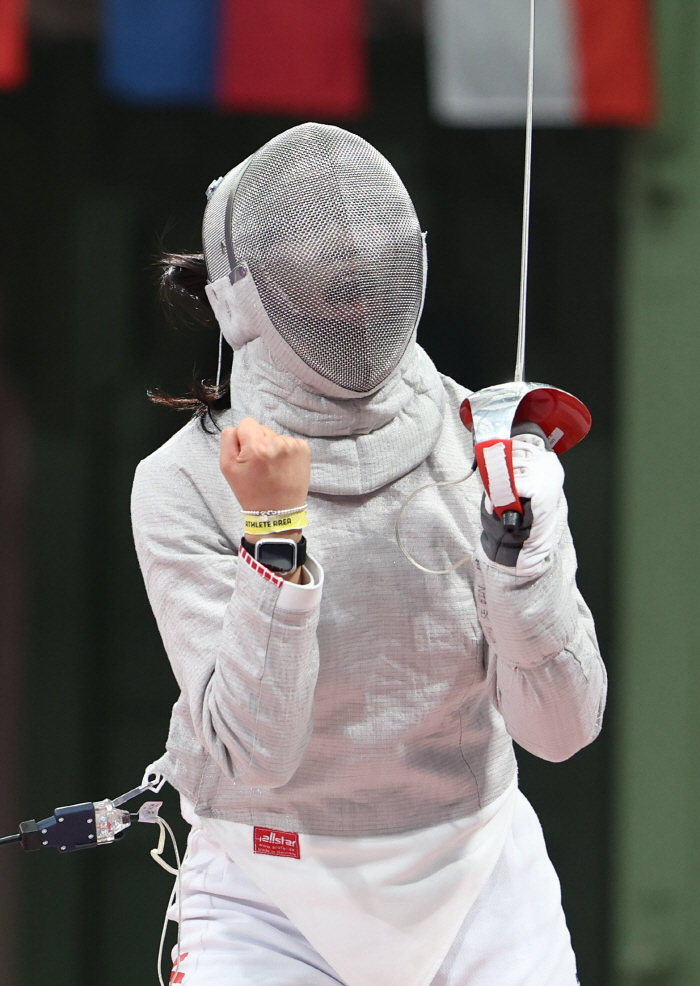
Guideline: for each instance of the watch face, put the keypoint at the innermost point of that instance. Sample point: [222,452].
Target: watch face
[277,554]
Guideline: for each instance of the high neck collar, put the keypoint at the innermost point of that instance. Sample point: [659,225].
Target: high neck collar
[357,445]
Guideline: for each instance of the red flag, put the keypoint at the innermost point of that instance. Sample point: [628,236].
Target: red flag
[614,38]
[293,57]
[13,43]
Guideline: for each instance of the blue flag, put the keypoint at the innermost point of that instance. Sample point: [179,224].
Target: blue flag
[160,52]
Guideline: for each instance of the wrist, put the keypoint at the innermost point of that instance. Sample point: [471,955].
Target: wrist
[290,535]
[276,522]
[299,576]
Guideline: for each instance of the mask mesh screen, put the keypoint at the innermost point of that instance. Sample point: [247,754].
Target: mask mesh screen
[332,240]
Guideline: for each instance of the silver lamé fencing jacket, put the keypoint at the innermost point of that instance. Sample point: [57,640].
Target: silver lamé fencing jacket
[392,705]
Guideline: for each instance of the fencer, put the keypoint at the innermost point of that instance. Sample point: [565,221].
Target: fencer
[343,739]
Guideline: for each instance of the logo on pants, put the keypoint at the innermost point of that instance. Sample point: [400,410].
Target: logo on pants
[271,842]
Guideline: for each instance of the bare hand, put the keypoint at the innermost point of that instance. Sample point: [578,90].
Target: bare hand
[266,471]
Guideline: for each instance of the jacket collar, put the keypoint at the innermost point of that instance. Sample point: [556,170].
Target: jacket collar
[357,444]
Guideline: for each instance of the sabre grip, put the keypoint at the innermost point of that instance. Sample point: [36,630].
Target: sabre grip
[511,521]
[500,544]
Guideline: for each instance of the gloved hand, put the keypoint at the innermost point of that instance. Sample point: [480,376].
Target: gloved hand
[539,479]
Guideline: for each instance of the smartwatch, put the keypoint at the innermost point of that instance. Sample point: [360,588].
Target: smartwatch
[280,555]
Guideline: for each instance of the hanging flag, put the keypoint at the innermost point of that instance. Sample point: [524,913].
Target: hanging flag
[302,58]
[616,61]
[13,43]
[160,52]
[593,62]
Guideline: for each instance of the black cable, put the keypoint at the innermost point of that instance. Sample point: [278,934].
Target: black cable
[10,838]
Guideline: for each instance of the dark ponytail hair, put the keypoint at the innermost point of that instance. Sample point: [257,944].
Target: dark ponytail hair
[181,282]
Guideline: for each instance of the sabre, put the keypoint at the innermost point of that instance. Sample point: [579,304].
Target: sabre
[492,414]
[527,198]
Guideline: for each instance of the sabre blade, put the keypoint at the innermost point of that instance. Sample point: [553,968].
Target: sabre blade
[527,194]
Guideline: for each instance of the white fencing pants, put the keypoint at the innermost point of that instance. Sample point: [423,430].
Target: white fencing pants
[514,935]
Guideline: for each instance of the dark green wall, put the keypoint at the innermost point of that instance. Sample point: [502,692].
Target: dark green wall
[656,780]
[87,189]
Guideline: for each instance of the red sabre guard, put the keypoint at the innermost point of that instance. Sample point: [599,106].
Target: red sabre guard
[491,414]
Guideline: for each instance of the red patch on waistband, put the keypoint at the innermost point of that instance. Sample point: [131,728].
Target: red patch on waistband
[180,975]
[271,842]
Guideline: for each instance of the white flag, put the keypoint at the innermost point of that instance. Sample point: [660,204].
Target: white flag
[592,62]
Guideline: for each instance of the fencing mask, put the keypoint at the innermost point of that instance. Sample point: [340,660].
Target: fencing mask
[313,244]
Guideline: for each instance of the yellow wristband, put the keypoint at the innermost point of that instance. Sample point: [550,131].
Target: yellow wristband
[289,522]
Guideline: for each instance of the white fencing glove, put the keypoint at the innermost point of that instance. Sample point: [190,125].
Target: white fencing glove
[539,479]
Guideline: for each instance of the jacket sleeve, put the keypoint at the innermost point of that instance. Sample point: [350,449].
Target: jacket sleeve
[246,665]
[548,676]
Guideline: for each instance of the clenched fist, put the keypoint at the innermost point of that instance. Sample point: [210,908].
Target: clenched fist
[266,471]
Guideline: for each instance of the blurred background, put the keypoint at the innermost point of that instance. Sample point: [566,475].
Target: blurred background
[114,118]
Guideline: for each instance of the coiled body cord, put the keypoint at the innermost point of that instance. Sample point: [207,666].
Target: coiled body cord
[397,531]
[157,855]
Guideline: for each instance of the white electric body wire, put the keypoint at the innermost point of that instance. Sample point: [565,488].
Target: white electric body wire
[397,532]
[218,366]
[527,194]
[157,855]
